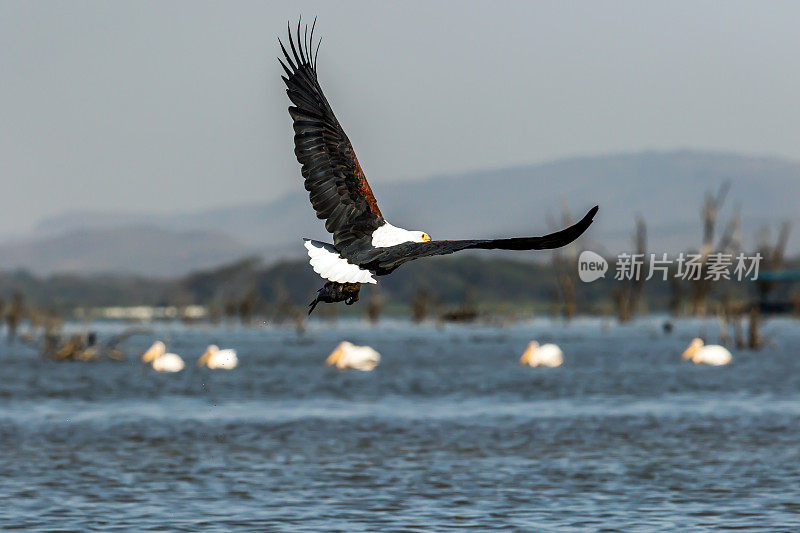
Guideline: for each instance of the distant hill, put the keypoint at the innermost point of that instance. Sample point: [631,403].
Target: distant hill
[667,188]
[147,250]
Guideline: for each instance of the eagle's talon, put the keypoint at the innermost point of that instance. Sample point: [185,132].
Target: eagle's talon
[333,292]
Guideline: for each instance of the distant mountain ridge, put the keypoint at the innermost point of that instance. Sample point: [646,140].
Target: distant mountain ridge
[667,188]
[145,250]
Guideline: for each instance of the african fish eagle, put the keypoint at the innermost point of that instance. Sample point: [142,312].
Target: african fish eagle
[364,245]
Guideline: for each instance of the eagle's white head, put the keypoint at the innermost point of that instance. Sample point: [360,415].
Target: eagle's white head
[421,236]
[388,235]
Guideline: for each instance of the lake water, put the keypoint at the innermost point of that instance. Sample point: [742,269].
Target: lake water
[448,432]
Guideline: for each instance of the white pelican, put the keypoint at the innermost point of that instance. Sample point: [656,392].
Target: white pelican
[162,361]
[214,358]
[347,355]
[544,355]
[364,244]
[712,354]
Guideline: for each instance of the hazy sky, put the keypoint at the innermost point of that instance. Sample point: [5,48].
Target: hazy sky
[163,106]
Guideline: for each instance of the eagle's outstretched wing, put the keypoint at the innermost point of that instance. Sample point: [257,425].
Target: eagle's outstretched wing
[384,260]
[336,184]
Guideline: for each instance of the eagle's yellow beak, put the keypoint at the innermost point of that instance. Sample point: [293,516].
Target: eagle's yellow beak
[203,361]
[426,237]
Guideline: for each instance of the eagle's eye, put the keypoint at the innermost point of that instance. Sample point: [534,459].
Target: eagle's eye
[426,237]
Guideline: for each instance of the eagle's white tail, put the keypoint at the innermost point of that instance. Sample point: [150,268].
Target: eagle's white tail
[327,262]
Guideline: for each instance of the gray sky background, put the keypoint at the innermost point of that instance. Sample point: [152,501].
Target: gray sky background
[159,106]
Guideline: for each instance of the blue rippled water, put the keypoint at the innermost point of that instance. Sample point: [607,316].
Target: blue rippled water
[449,432]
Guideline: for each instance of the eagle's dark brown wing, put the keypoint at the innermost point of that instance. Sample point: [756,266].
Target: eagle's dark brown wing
[385,260]
[336,184]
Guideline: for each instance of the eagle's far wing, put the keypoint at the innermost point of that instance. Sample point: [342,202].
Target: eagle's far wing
[337,187]
[387,259]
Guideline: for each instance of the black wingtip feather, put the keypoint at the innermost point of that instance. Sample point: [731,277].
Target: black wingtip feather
[300,42]
[303,52]
[317,53]
[311,43]
[305,42]
[289,73]
[291,45]
[567,235]
[286,54]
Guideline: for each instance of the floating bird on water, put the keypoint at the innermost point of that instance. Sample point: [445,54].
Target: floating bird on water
[544,355]
[347,355]
[161,360]
[365,244]
[713,354]
[216,359]
[83,346]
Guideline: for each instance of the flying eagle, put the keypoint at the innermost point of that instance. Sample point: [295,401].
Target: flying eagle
[364,245]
